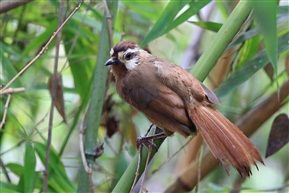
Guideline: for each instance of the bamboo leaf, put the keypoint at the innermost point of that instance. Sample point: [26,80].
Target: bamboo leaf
[212,26]
[9,188]
[58,180]
[194,8]
[167,16]
[29,168]
[97,95]
[250,68]
[16,168]
[265,15]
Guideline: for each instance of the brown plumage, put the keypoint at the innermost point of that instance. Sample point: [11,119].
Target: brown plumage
[175,101]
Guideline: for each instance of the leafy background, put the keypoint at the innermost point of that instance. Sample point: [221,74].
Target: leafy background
[254,65]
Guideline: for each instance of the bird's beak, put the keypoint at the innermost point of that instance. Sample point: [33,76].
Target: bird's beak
[111,61]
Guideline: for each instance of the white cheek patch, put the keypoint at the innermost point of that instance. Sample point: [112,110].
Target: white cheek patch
[131,64]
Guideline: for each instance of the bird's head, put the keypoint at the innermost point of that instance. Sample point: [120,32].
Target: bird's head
[125,53]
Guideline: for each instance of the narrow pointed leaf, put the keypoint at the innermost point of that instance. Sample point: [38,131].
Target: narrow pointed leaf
[29,168]
[212,26]
[57,175]
[195,7]
[250,68]
[167,16]
[265,14]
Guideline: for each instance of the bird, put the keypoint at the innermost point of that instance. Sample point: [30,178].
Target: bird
[175,101]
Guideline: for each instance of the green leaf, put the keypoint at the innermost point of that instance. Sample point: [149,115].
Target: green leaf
[248,50]
[165,19]
[40,40]
[265,15]
[9,188]
[89,21]
[194,8]
[7,70]
[144,8]
[97,95]
[80,62]
[212,26]
[29,168]
[58,180]
[249,69]
[15,168]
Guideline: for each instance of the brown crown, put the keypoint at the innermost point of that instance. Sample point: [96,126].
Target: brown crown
[123,46]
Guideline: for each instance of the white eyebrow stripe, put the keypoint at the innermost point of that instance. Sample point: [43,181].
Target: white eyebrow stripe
[132,50]
[111,52]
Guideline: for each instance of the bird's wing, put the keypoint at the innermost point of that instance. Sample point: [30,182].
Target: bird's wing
[157,101]
[183,83]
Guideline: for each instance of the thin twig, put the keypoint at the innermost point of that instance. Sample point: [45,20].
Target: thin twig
[137,168]
[109,23]
[8,5]
[176,153]
[145,169]
[13,90]
[44,48]
[200,154]
[5,170]
[53,96]
[139,159]
[81,147]
[5,111]
[76,37]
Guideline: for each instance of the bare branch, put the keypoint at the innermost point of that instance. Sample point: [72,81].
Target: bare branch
[53,96]
[45,47]
[5,111]
[4,170]
[8,5]
[13,90]
[81,147]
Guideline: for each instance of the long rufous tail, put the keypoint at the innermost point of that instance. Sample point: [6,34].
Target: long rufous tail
[226,142]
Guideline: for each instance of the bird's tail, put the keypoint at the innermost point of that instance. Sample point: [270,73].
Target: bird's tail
[226,142]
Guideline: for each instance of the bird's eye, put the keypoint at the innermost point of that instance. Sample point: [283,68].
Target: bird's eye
[128,56]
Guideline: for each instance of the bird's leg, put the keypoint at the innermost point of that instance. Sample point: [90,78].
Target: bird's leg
[140,142]
[149,139]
